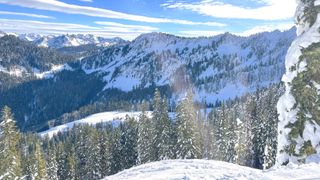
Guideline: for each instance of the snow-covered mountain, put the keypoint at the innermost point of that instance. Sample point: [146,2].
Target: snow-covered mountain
[209,169]
[217,68]
[68,40]
[220,67]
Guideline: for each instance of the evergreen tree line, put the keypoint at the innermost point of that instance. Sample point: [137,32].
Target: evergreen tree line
[242,131]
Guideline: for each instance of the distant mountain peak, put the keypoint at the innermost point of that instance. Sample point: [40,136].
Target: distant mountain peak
[69,40]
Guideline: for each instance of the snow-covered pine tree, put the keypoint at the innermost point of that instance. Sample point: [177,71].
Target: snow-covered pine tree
[240,146]
[104,153]
[70,164]
[166,144]
[128,141]
[221,133]
[10,165]
[210,140]
[259,121]
[144,143]
[115,150]
[87,152]
[188,140]
[267,156]
[270,130]
[299,119]
[52,165]
[231,137]
[156,128]
[61,160]
[40,163]
[249,116]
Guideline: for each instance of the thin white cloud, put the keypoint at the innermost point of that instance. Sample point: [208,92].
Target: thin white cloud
[269,9]
[90,1]
[109,29]
[265,28]
[124,27]
[246,33]
[199,33]
[58,6]
[26,14]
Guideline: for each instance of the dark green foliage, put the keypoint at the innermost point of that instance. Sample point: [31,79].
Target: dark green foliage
[50,98]
[305,92]
[10,166]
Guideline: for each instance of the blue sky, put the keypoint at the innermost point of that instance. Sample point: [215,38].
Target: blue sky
[130,18]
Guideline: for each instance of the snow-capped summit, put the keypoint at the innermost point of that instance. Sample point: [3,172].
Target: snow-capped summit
[29,36]
[68,40]
[2,34]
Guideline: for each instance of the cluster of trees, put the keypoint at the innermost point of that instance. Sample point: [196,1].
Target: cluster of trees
[242,131]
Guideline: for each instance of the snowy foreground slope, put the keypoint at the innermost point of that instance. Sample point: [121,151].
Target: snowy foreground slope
[209,169]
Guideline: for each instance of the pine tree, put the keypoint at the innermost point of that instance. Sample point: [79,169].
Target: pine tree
[70,164]
[10,166]
[267,156]
[52,165]
[166,144]
[144,142]
[299,106]
[221,134]
[104,154]
[156,128]
[61,160]
[87,152]
[129,143]
[210,140]
[231,138]
[188,140]
[40,173]
[115,150]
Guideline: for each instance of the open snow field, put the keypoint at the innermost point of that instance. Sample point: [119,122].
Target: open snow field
[209,169]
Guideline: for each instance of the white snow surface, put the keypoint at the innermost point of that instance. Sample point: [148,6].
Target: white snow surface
[50,74]
[287,114]
[210,169]
[113,117]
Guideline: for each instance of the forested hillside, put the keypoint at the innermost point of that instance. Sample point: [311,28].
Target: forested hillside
[242,131]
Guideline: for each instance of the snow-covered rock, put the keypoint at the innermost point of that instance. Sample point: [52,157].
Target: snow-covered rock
[209,169]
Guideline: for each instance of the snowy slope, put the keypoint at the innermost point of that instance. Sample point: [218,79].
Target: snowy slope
[209,169]
[114,117]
